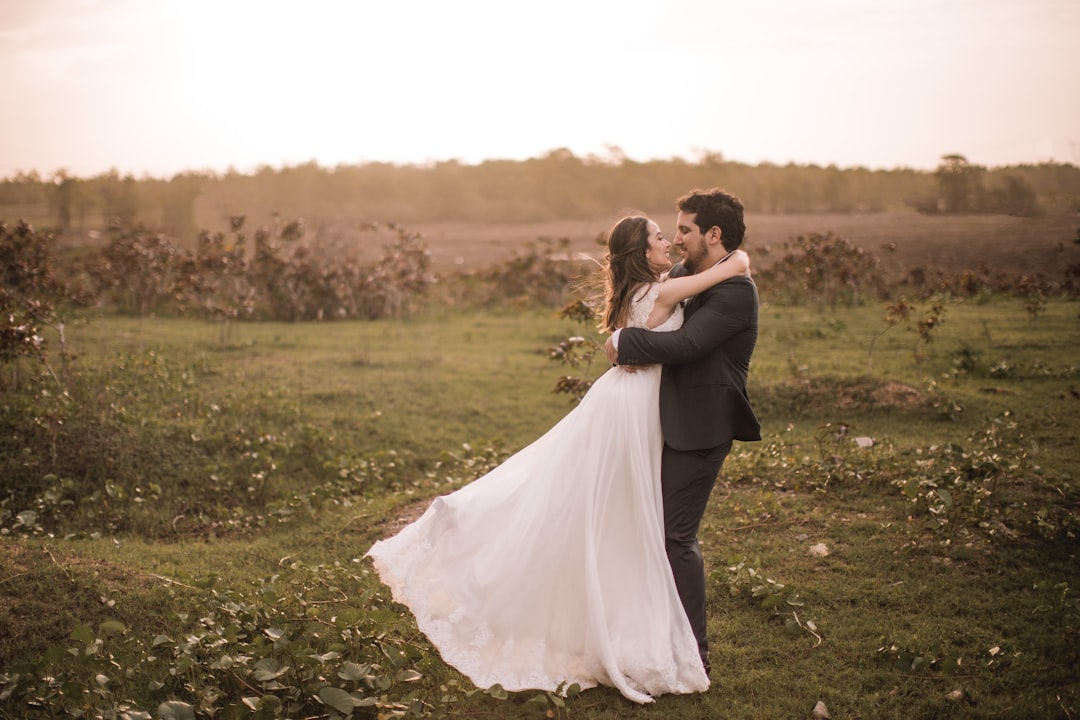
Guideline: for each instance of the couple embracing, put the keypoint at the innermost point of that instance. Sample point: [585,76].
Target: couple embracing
[576,560]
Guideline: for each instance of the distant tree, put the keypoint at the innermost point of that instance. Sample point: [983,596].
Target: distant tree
[178,205]
[1015,196]
[959,184]
[556,185]
[834,195]
[120,200]
[61,198]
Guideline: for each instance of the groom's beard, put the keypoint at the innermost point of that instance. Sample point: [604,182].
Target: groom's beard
[695,259]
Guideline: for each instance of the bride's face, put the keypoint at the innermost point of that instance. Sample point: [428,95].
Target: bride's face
[658,252]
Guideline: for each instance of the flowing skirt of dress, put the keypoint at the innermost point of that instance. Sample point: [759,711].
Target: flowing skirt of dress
[551,568]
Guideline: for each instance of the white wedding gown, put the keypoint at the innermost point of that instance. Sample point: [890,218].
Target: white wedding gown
[551,568]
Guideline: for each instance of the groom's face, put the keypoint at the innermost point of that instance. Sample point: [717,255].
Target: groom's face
[691,243]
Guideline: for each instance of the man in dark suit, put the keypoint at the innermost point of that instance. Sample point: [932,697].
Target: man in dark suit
[703,400]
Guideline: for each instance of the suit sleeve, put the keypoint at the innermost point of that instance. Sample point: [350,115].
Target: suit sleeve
[725,311]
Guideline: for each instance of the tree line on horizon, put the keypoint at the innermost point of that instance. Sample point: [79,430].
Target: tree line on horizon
[556,186]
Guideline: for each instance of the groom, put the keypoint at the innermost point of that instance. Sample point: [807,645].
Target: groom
[703,401]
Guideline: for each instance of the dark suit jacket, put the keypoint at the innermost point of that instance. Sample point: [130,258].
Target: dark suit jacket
[703,400]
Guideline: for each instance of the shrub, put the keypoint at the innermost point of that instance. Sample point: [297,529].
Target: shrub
[824,269]
[28,290]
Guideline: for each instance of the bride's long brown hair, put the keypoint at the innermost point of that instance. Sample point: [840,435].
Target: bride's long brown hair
[626,268]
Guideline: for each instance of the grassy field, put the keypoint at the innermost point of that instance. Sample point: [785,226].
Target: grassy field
[931,575]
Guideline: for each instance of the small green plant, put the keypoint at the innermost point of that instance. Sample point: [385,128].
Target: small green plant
[895,313]
[1060,608]
[578,351]
[925,328]
[968,488]
[296,644]
[907,661]
[902,312]
[1033,293]
[780,599]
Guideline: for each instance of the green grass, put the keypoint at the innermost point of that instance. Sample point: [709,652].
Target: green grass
[907,608]
[423,386]
[984,359]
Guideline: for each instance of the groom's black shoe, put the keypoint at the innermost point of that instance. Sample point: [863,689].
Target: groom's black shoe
[706,665]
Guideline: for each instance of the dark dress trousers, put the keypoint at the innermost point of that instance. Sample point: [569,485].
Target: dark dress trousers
[703,408]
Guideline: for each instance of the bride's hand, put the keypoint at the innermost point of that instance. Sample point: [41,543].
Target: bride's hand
[611,352]
[741,255]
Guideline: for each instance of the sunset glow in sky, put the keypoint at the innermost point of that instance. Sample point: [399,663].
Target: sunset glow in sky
[158,87]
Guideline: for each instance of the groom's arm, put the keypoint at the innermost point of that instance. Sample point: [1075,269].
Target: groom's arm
[726,311]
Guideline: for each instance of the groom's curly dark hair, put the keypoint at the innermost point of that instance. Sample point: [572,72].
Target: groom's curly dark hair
[716,207]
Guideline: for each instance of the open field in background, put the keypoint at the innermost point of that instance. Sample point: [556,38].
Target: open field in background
[901,240]
[914,599]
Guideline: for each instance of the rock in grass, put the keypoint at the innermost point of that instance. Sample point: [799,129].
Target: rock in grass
[820,711]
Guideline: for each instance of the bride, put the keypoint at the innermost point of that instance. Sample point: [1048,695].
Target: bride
[551,568]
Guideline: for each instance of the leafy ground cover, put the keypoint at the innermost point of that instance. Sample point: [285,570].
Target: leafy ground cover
[184,521]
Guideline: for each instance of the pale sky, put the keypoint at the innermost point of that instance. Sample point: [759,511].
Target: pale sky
[158,87]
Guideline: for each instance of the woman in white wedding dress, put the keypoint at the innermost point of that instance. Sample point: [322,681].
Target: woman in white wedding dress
[551,570]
